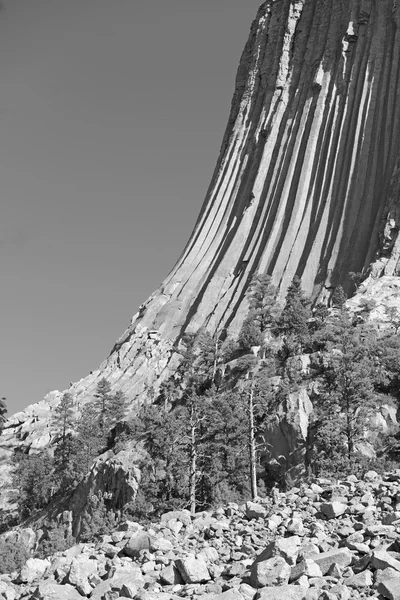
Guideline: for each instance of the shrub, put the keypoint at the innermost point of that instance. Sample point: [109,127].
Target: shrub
[12,556]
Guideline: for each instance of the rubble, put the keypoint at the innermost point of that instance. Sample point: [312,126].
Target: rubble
[233,553]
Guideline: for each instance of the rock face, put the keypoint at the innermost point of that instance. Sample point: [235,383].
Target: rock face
[307,183]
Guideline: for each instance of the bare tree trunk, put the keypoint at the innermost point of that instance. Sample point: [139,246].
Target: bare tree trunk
[252,443]
[193,461]
[215,358]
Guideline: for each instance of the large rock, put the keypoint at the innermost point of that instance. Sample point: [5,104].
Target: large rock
[33,570]
[83,574]
[192,569]
[113,476]
[137,543]
[7,592]
[282,592]
[382,560]
[325,560]
[287,435]
[273,571]
[288,548]
[389,588]
[49,590]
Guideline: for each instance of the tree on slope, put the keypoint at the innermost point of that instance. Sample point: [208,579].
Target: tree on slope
[347,398]
[262,313]
[294,320]
[64,421]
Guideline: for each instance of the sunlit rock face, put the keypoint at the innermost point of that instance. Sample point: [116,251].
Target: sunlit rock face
[307,181]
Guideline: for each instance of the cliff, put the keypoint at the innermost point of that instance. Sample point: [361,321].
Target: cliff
[307,183]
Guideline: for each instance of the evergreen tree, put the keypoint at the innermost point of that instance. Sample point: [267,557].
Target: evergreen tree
[116,409]
[338,297]
[294,320]
[104,396]
[347,398]
[89,442]
[262,313]
[226,461]
[164,483]
[65,422]
[33,477]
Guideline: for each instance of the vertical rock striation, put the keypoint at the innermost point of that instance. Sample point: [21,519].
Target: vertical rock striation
[308,177]
[307,181]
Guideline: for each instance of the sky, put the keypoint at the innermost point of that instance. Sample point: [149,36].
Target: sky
[112,114]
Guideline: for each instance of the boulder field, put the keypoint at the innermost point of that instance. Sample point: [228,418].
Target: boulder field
[322,541]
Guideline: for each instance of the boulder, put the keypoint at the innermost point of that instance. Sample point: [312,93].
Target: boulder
[360,580]
[83,574]
[115,476]
[287,435]
[273,571]
[183,516]
[138,542]
[325,560]
[33,570]
[282,592]
[7,592]
[332,510]
[232,594]
[170,575]
[287,548]
[49,590]
[192,569]
[255,511]
[389,588]
[382,560]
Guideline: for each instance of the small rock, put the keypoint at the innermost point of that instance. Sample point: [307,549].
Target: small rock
[255,511]
[332,510]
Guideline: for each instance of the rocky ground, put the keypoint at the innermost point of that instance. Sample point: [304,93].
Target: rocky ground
[326,541]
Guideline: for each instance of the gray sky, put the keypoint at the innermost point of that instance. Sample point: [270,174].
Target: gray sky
[111,117]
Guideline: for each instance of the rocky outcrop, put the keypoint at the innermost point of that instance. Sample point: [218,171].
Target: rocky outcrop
[329,540]
[307,183]
[286,436]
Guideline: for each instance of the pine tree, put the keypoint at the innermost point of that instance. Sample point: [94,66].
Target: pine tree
[262,313]
[164,484]
[103,395]
[33,477]
[116,409]
[89,442]
[338,297]
[294,320]
[64,421]
[348,397]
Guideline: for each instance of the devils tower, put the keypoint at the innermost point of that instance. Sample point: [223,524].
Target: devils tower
[307,180]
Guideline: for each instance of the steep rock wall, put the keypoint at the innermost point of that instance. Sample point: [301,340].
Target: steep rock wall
[307,181]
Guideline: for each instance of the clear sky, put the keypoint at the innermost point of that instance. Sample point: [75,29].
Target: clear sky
[111,117]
